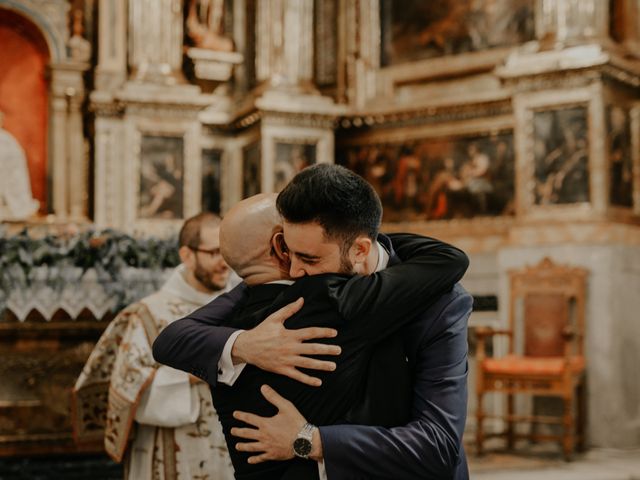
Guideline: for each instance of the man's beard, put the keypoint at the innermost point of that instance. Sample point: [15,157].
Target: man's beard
[346,267]
[205,278]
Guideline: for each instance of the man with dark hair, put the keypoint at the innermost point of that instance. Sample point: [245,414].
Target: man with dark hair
[335,198]
[429,445]
[159,421]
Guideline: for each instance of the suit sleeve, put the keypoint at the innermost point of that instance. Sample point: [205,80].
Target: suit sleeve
[194,344]
[430,445]
[379,304]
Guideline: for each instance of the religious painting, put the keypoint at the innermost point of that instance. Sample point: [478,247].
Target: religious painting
[561,156]
[620,161]
[251,170]
[416,30]
[161,177]
[290,159]
[439,178]
[211,178]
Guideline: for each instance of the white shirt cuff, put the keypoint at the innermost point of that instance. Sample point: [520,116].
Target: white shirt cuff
[322,471]
[228,373]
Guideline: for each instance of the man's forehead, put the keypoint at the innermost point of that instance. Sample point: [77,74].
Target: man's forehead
[210,236]
[306,235]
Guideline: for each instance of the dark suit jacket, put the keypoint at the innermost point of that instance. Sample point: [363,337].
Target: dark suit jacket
[365,310]
[429,446]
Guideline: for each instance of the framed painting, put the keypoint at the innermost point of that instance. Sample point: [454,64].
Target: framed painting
[290,158]
[211,180]
[439,178]
[414,30]
[620,158]
[251,170]
[561,144]
[561,155]
[161,177]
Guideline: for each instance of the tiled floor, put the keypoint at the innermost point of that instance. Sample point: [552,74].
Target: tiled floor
[597,464]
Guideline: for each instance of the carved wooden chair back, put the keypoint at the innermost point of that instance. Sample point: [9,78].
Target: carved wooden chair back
[547,305]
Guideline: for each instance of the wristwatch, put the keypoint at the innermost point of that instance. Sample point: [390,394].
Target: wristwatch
[302,444]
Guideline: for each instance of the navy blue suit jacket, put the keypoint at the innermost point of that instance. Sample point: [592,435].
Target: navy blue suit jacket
[430,445]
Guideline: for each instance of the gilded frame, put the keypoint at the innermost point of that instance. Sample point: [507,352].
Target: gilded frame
[188,131]
[526,105]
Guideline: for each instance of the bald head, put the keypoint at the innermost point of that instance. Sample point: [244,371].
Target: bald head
[245,238]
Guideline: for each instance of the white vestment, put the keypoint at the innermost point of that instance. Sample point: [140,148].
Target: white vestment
[163,426]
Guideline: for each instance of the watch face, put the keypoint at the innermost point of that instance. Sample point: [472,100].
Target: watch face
[302,447]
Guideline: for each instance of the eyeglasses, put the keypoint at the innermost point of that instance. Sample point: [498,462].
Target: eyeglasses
[213,252]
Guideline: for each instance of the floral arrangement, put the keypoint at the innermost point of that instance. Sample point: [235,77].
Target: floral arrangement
[58,259]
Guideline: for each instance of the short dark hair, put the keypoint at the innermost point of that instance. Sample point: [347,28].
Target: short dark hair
[190,232]
[342,202]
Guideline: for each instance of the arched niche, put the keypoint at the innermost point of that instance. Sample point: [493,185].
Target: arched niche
[24,96]
[66,168]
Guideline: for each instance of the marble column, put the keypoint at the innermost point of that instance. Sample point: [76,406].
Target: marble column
[631,16]
[111,71]
[570,22]
[155,41]
[284,44]
[109,152]
[69,163]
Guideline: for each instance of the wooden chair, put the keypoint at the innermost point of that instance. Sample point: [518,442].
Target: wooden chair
[546,355]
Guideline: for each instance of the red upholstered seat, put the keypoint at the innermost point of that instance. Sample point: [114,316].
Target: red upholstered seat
[517,365]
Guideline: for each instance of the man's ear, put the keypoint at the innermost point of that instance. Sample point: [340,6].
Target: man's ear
[187,256]
[280,247]
[360,249]
[281,252]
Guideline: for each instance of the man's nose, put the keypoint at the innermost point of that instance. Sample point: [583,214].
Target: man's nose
[296,270]
[221,264]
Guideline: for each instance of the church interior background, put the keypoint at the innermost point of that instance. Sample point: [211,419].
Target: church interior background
[510,128]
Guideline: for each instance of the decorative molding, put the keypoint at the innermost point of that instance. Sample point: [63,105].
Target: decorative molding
[298,119]
[51,16]
[426,115]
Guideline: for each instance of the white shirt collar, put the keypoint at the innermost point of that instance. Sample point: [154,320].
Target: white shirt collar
[178,286]
[383,258]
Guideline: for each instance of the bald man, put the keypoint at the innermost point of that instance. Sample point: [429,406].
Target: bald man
[363,309]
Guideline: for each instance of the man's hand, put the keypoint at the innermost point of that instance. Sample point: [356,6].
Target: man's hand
[272,347]
[273,436]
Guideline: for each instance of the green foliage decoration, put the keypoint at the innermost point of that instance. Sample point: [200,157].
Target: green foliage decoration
[107,252]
